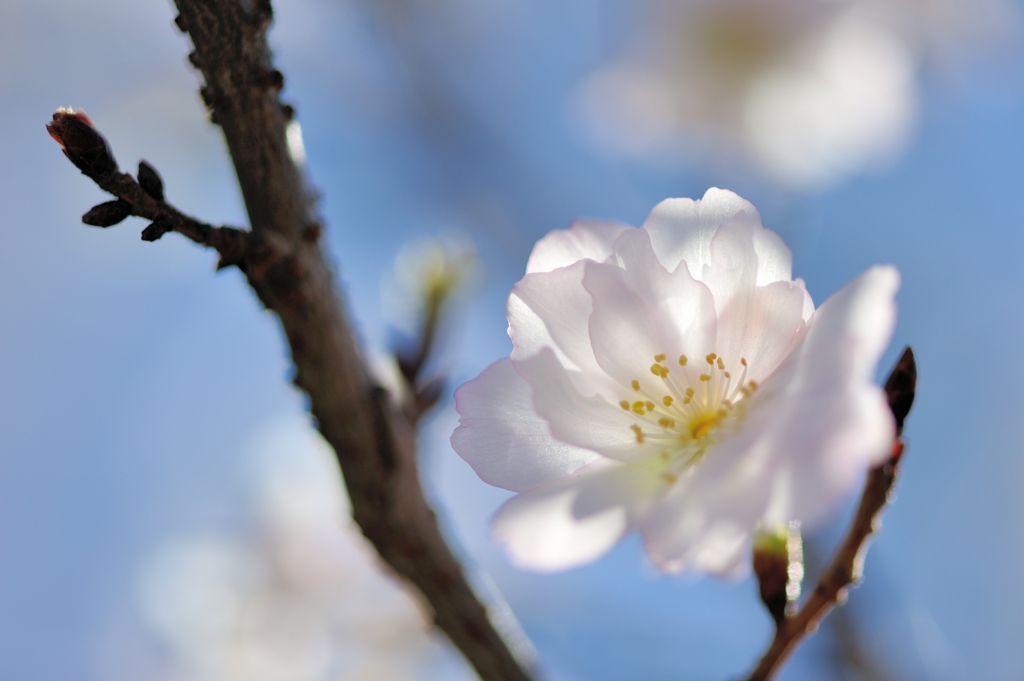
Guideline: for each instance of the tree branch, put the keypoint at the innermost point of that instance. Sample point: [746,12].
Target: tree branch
[290,272]
[847,566]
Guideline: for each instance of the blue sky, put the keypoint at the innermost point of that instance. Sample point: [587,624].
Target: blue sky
[133,377]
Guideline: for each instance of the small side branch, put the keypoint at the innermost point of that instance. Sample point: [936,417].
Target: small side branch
[847,564]
[144,197]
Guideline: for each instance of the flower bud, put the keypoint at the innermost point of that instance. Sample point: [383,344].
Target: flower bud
[156,230]
[771,561]
[107,214]
[901,386]
[82,143]
[150,181]
[779,566]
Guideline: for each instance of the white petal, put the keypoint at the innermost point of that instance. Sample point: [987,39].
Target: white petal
[705,520]
[670,313]
[821,415]
[585,239]
[762,325]
[552,309]
[572,521]
[863,310]
[589,421]
[682,229]
[502,437]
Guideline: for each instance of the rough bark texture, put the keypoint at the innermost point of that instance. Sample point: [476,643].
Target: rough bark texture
[290,272]
[287,267]
[847,564]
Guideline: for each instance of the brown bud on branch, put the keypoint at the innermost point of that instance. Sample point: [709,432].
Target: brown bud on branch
[107,214]
[82,143]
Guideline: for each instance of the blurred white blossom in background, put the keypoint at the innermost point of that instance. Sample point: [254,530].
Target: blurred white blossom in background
[301,598]
[808,91]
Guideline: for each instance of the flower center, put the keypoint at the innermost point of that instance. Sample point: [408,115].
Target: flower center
[688,410]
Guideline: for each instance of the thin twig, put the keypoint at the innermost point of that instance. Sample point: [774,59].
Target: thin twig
[847,564]
[144,198]
[289,270]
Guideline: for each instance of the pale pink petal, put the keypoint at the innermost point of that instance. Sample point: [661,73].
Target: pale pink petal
[572,521]
[590,421]
[682,229]
[502,437]
[761,324]
[628,328]
[822,414]
[552,309]
[705,519]
[585,239]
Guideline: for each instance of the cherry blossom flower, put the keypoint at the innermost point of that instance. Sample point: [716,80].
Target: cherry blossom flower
[674,379]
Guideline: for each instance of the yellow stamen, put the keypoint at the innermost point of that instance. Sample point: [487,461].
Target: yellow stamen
[721,364]
[638,407]
[660,358]
[639,433]
[682,360]
[743,361]
[636,385]
[666,422]
[667,400]
[624,404]
[705,377]
[650,406]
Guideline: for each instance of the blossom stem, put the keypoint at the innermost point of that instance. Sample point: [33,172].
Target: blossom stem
[846,568]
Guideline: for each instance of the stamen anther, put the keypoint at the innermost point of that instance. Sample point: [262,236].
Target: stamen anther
[639,433]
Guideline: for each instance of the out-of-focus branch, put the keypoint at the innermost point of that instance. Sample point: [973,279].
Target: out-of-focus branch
[290,272]
[847,564]
[88,150]
[439,270]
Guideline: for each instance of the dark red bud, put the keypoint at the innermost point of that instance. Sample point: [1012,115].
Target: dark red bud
[107,214]
[82,143]
[901,386]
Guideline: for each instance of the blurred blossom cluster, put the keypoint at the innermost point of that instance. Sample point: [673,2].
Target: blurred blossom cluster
[302,598]
[808,91]
[427,273]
